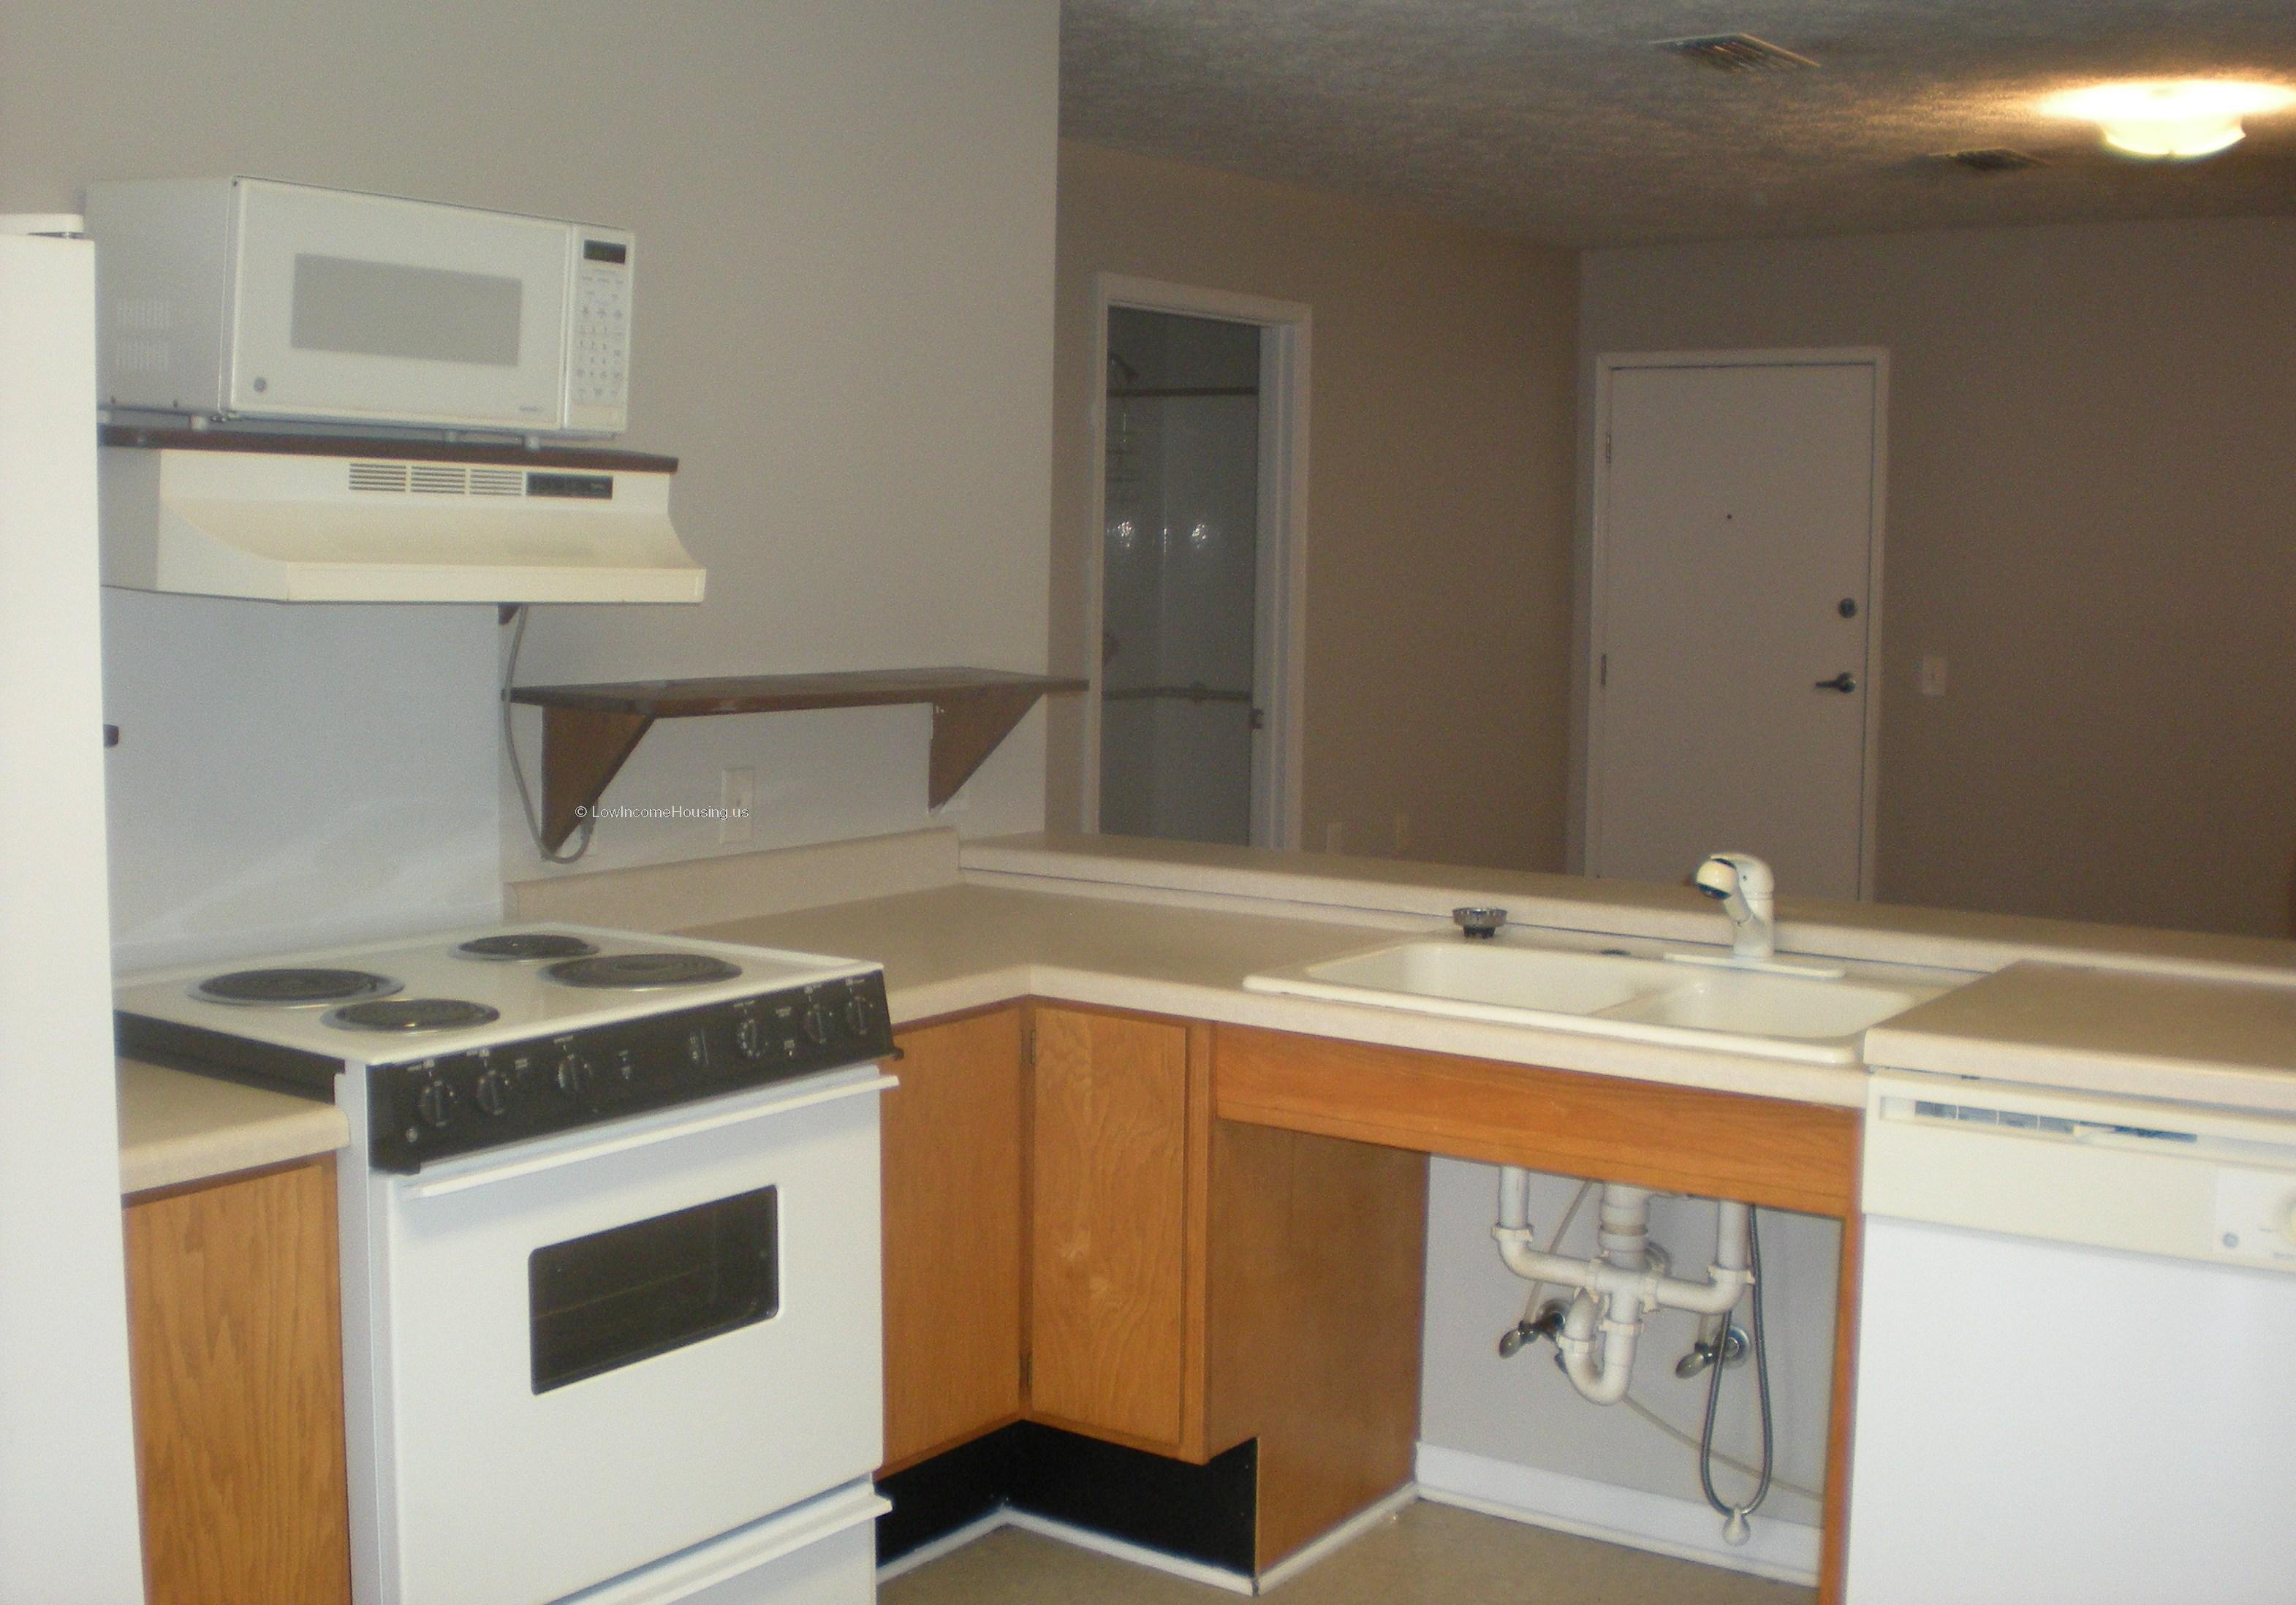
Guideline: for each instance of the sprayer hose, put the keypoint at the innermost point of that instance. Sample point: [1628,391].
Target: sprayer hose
[1762,1385]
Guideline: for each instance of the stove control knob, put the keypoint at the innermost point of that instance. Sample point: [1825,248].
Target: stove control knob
[818,1023]
[574,1075]
[860,1014]
[491,1092]
[750,1038]
[436,1103]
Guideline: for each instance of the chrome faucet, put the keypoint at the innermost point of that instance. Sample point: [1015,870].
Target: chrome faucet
[1747,892]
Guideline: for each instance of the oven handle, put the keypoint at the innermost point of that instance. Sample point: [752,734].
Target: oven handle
[488,1176]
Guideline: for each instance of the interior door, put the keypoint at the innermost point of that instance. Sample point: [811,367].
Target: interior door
[1737,528]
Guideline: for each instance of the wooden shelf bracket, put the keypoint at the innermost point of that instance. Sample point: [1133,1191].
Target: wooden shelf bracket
[589,732]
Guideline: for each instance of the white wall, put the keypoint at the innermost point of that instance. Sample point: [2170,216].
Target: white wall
[2088,503]
[843,327]
[292,776]
[1534,1443]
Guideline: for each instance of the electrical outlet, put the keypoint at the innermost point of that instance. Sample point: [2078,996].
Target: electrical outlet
[737,794]
[1402,832]
[1335,837]
[1933,677]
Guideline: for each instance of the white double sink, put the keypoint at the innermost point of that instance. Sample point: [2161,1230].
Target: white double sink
[1690,1001]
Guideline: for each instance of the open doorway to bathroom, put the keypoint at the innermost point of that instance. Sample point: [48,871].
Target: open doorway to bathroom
[1192,724]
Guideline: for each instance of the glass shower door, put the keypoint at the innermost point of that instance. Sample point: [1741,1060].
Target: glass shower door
[1179,587]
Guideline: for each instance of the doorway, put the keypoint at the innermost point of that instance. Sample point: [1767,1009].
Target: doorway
[1192,727]
[1735,640]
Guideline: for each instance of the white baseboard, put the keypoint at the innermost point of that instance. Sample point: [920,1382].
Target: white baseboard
[1354,1528]
[944,1544]
[1139,1555]
[1786,1552]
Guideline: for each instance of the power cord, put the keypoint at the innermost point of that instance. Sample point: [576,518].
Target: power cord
[517,771]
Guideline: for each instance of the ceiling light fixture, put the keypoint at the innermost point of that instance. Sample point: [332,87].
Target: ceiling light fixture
[2174,119]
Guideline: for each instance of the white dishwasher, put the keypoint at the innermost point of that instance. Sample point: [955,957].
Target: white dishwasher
[2077,1351]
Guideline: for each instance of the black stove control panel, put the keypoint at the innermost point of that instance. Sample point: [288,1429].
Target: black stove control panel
[458,1103]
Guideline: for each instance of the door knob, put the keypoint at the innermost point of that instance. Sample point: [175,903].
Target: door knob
[1845,683]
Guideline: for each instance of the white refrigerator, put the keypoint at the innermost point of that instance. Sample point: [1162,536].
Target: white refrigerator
[68,1515]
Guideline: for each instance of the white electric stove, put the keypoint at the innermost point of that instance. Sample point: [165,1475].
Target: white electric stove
[610,1259]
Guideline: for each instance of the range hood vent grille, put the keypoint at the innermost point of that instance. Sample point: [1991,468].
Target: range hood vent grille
[304,525]
[436,480]
[378,476]
[1737,53]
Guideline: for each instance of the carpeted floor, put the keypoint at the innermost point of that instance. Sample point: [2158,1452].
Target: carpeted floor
[1430,1554]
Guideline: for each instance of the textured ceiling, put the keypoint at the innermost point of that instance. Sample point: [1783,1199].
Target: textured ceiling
[1557,121]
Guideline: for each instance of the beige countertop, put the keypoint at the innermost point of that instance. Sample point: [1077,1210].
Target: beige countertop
[954,947]
[1174,927]
[175,1129]
[1875,932]
[2225,1042]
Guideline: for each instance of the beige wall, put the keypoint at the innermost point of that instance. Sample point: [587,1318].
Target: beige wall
[842,327]
[2092,514]
[1438,600]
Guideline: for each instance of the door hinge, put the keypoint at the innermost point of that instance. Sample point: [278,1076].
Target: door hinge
[1602,673]
[1028,1372]
[1606,446]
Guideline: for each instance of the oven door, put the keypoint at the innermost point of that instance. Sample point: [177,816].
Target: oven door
[598,1351]
[369,307]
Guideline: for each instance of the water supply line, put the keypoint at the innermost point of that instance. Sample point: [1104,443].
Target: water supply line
[1618,1288]
[1615,1291]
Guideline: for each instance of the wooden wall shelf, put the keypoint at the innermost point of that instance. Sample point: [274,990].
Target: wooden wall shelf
[589,730]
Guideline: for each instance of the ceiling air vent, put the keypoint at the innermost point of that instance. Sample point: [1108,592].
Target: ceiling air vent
[497,482]
[1994,160]
[1737,53]
[378,476]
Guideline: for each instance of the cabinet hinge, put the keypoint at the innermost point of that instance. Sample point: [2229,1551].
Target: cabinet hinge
[1606,446]
[1603,676]
[1027,1372]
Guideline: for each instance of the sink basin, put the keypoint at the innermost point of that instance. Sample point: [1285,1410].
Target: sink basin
[1504,975]
[1814,1019]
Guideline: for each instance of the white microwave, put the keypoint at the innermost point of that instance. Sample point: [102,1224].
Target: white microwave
[248,298]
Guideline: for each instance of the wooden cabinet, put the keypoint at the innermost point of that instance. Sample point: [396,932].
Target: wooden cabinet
[1070,1237]
[235,1344]
[1108,1285]
[953,1234]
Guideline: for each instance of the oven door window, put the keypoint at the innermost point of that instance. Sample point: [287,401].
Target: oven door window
[632,1292]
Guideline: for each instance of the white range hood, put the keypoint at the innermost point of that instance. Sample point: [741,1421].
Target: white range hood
[298,519]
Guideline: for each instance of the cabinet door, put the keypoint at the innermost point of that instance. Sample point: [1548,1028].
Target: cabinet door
[953,1234]
[1108,1147]
[234,1340]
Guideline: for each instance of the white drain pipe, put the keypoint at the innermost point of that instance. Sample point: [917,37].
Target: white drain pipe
[1626,1279]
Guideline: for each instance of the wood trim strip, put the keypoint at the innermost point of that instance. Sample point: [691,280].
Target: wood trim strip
[278,443]
[1765,1151]
[1195,1238]
[1833,1533]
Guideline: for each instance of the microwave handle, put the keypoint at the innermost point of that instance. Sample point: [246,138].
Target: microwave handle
[488,1176]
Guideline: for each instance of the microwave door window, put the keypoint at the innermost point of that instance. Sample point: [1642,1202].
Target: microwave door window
[369,308]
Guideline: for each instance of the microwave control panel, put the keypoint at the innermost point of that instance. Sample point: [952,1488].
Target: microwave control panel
[598,353]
